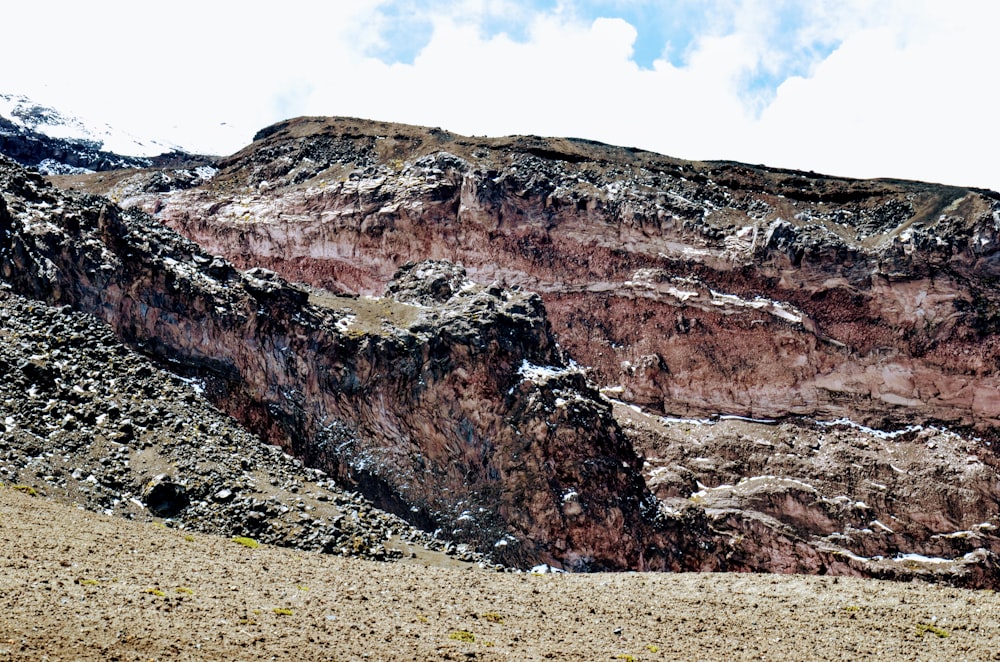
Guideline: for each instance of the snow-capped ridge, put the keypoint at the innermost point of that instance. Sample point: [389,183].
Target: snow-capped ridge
[24,113]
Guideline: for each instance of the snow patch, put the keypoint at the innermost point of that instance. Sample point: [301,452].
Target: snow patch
[206,173]
[545,569]
[776,308]
[25,113]
[682,295]
[196,384]
[879,434]
[920,558]
[344,323]
[542,374]
[879,525]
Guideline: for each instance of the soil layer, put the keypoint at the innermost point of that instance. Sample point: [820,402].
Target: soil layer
[83,586]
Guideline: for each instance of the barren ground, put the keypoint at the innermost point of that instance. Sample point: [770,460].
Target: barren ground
[77,585]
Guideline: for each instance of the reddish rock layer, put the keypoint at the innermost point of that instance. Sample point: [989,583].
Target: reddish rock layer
[449,403]
[692,288]
[698,287]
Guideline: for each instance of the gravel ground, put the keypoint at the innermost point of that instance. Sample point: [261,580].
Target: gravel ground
[89,422]
[85,586]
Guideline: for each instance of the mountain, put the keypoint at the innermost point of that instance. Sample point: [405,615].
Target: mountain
[439,400]
[57,143]
[691,288]
[726,367]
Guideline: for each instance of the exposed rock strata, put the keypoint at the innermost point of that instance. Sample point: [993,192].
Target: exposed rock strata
[87,421]
[744,311]
[920,501]
[698,287]
[450,403]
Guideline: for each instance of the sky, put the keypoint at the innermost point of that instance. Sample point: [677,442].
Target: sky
[860,88]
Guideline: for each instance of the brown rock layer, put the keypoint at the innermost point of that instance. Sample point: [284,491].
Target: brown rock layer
[692,289]
[698,287]
[450,403]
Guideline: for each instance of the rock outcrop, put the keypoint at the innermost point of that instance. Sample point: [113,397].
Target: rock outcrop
[692,289]
[450,404]
[87,421]
[918,502]
[57,144]
[699,288]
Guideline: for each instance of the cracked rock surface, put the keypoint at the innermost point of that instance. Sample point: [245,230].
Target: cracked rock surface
[87,421]
[700,288]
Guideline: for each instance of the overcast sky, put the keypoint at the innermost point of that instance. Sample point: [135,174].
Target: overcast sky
[863,88]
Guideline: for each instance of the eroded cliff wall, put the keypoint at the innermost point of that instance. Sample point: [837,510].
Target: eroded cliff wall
[697,288]
[448,401]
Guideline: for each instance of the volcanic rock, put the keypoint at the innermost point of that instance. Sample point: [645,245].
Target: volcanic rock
[699,288]
[165,497]
[465,416]
[70,388]
[693,289]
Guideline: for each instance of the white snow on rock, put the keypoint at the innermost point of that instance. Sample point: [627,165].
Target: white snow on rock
[545,569]
[24,112]
[206,173]
[542,374]
[344,323]
[778,309]
[196,384]
[879,434]
[920,558]
[876,524]
[682,295]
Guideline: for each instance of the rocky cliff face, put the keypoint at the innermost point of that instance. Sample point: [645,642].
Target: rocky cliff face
[446,401]
[87,421]
[698,288]
[692,289]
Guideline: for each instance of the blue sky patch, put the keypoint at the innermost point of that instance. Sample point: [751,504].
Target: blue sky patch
[796,55]
[666,30]
[405,28]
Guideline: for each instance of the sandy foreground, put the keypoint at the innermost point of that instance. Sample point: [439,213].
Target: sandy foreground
[80,586]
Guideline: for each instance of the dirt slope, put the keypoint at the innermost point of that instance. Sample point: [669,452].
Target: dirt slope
[81,586]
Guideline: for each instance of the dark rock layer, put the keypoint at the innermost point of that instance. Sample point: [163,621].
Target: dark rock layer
[697,287]
[464,414]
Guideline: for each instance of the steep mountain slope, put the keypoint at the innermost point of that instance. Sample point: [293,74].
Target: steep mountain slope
[56,143]
[446,401]
[86,421]
[695,288]
[691,288]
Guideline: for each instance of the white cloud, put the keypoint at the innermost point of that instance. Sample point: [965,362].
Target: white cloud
[908,100]
[906,93]
[177,69]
